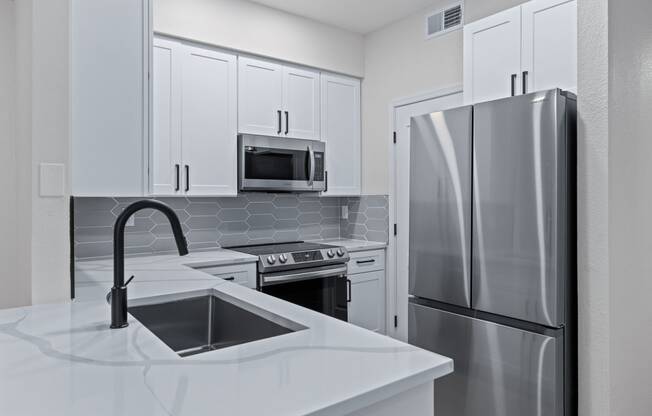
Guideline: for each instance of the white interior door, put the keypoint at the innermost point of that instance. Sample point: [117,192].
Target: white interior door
[402,116]
[260,97]
[492,57]
[550,44]
[166,109]
[340,129]
[301,103]
[209,122]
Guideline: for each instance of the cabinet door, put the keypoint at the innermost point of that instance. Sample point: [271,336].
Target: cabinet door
[166,110]
[300,103]
[367,300]
[340,129]
[209,122]
[109,48]
[550,44]
[260,97]
[492,57]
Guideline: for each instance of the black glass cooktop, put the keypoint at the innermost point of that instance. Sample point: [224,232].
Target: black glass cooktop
[278,248]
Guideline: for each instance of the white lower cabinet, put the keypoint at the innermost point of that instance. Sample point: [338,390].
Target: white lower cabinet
[367,290]
[194,145]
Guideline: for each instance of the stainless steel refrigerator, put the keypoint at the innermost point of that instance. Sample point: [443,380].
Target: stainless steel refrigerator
[492,264]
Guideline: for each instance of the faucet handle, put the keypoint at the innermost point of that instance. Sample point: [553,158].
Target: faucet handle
[129,280]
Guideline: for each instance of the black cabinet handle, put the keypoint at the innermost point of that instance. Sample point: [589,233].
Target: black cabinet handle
[187,178]
[366,261]
[514,76]
[348,295]
[326,180]
[178,183]
[525,76]
[279,122]
[287,122]
[230,278]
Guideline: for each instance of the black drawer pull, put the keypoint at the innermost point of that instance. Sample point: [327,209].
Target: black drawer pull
[230,278]
[366,261]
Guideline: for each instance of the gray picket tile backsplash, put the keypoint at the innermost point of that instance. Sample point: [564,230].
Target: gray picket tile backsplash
[219,222]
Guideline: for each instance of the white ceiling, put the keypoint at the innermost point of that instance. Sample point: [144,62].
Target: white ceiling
[361,16]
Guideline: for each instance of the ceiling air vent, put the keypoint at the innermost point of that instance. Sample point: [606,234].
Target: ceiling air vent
[444,21]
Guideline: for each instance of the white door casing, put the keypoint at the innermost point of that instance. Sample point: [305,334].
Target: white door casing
[397,264]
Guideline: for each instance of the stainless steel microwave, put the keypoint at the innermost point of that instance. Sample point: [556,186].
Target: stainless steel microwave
[278,164]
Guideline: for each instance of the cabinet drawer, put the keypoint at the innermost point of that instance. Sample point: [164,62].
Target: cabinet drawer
[241,274]
[234,277]
[366,261]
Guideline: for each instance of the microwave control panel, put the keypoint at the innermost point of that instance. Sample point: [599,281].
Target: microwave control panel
[319,166]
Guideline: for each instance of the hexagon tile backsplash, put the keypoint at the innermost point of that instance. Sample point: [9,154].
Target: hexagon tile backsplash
[219,222]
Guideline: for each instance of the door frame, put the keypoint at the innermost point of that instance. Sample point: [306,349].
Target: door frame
[393,302]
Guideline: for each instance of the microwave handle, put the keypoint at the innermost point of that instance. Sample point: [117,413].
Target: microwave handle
[311,177]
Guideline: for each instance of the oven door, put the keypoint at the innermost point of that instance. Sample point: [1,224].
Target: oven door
[322,289]
[279,164]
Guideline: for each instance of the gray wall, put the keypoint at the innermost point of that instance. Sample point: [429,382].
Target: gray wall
[214,222]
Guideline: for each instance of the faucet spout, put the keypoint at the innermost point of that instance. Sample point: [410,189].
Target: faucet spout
[119,289]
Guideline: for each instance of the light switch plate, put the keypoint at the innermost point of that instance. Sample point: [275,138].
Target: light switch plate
[52,180]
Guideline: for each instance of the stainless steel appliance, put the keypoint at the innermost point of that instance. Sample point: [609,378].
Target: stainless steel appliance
[308,274]
[492,267]
[281,164]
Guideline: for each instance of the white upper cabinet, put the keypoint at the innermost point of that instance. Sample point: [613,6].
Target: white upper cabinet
[340,129]
[528,48]
[301,103]
[492,56]
[550,44]
[260,97]
[109,97]
[194,146]
[166,124]
[209,122]
[277,100]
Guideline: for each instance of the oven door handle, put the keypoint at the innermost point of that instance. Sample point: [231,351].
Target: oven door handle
[276,278]
[311,177]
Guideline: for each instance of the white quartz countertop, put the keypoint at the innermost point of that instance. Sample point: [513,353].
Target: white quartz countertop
[355,245]
[62,359]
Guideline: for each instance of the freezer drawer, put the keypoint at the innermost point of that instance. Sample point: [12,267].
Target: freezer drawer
[521,200]
[499,370]
[440,206]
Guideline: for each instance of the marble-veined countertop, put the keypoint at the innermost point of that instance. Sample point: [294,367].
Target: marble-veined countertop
[62,359]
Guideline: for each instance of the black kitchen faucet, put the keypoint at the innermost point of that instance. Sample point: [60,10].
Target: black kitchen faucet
[119,289]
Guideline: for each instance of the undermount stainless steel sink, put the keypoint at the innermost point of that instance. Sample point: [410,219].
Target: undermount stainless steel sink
[210,321]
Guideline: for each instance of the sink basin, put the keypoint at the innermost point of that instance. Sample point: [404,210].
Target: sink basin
[206,322]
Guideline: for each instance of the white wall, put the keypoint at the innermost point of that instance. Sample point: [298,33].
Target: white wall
[593,208]
[15,282]
[41,102]
[250,27]
[399,62]
[630,206]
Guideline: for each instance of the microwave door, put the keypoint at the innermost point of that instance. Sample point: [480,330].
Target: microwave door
[275,168]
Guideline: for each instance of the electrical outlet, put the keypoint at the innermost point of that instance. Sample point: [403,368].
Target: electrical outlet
[345,212]
[131,222]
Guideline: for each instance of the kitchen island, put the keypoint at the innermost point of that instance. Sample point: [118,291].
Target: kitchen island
[62,359]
